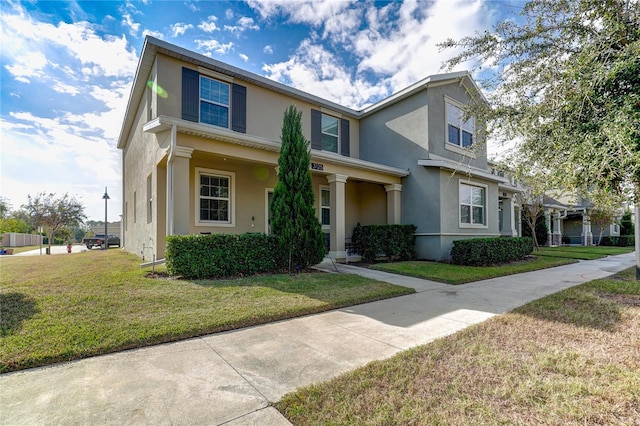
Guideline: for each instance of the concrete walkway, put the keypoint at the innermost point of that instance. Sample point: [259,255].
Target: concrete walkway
[232,378]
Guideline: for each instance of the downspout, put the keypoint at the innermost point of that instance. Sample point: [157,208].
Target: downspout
[172,150]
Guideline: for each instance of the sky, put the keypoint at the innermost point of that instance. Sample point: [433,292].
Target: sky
[68,67]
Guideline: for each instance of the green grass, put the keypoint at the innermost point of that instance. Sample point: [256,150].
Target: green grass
[582,253]
[456,274]
[22,249]
[58,308]
[567,359]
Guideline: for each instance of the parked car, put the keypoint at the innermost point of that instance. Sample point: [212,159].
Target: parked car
[98,240]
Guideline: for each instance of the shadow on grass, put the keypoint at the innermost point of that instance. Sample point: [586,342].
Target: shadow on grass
[16,308]
[580,306]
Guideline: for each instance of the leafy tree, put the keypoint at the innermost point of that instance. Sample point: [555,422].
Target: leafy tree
[11,224]
[565,86]
[5,207]
[626,224]
[538,229]
[54,214]
[293,220]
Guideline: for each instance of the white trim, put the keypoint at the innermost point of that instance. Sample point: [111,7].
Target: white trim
[455,166]
[231,223]
[485,213]
[215,75]
[320,206]
[212,102]
[449,145]
[164,122]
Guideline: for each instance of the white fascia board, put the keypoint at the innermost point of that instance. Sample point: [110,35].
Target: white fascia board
[211,132]
[443,163]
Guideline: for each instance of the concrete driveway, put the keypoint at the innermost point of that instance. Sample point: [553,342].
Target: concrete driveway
[233,378]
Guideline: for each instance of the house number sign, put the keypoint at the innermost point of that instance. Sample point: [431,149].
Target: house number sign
[317,166]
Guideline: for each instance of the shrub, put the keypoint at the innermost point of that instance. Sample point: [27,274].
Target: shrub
[222,255]
[621,241]
[626,224]
[489,251]
[541,228]
[396,242]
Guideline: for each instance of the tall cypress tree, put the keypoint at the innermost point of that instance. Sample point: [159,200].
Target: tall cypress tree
[293,219]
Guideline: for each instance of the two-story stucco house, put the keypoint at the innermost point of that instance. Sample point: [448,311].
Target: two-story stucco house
[200,144]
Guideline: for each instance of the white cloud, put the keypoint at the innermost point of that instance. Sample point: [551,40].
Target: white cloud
[268,49]
[395,45]
[244,24]
[243,57]
[228,14]
[212,45]
[180,28]
[28,65]
[210,25]
[156,34]
[128,22]
[192,6]
[65,88]
[316,70]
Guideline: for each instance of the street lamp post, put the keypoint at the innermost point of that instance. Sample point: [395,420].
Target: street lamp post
[105,197]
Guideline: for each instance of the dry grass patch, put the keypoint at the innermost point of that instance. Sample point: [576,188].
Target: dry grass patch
[572,358]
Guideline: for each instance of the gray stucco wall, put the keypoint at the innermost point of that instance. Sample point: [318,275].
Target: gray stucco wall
[407,131]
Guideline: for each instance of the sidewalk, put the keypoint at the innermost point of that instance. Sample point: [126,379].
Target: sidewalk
[232,378]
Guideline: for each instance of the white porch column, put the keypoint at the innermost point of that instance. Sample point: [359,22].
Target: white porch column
[178,187]
[587,236]
[337,234]
[557,229]
[394,203]
[509,224]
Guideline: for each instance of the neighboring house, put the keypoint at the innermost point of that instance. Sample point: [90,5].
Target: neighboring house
[200,144]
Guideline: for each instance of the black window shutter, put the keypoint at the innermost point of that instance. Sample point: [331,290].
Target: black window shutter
[316,129]
[239,108]
[190,95]
[344,137]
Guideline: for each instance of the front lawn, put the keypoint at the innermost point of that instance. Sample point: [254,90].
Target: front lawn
[58,308]
[567,359]
[456,274]
[582,253]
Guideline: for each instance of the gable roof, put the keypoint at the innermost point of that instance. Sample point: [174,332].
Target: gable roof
[152,46]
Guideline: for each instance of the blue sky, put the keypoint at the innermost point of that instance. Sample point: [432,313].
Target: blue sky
[67,69]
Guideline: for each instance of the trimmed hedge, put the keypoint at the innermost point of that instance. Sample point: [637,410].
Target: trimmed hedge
[490,251]
[222,255]
[396,242]
[621,241]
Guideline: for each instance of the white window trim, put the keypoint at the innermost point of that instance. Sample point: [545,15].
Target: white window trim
[338,141]
[232,197]
[484,225]
[451,146]
[201,99]
[320,206]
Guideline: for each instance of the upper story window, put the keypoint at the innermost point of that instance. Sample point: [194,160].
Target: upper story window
[458,132]
[214,102]
[472,204]
[329,133]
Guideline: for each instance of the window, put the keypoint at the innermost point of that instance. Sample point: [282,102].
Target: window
[214,102]
[325,207]
[459,133]
[472,204]
[214,197]
[149,200]
[329,133]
